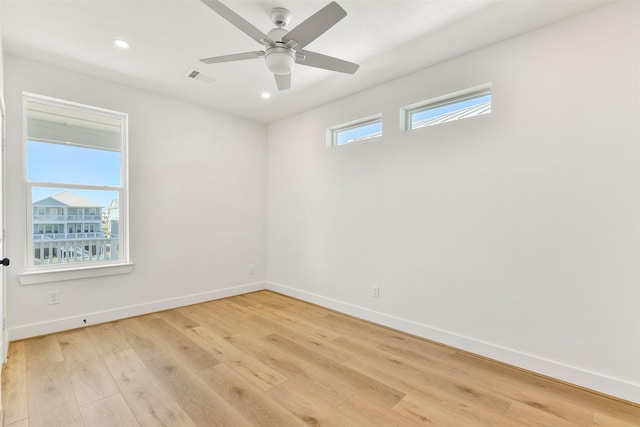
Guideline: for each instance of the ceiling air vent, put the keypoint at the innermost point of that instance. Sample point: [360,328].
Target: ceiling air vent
[197,75]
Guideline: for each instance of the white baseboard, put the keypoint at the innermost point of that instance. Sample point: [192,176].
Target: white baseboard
[600,383]
[36,329]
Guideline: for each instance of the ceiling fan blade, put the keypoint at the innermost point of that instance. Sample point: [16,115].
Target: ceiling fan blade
[315,25]
[318,60]
[233,57]
[238,21]
[283,81]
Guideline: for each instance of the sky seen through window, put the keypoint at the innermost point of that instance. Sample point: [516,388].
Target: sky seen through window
[69,164]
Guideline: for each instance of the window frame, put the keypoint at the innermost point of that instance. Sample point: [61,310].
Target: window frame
[53,272]
[407,112]
[334,131]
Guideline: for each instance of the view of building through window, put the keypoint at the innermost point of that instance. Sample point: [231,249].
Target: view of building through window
[74,180]
[68,227]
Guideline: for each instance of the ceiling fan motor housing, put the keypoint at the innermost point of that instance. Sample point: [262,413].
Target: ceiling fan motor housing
[280,16]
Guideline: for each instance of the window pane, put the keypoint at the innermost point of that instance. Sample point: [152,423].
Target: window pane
[355,130]
[50,162]
[73,225]
[358,133]
[448,112]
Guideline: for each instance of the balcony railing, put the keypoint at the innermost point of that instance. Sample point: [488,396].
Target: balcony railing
[74,250]
[68,236]
[81,217]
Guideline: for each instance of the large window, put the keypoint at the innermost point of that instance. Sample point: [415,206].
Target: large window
[76,178]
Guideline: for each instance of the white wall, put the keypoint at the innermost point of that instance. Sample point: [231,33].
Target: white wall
[197,205]
[515,235]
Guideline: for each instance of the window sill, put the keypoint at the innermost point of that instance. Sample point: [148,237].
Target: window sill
[35,277]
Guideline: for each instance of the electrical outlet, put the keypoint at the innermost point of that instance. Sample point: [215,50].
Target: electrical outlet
[54,297]
[252,269]
[375,291]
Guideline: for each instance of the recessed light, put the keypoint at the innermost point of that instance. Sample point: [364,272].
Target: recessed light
[121,44]
[265,95]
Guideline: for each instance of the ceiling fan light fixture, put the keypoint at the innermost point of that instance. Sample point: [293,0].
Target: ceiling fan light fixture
[280,60]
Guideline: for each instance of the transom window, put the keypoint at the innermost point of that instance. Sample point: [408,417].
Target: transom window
[451,107]
[76,170]
[358,130]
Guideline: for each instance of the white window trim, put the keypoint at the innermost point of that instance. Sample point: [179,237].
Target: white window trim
[35,277]
[33,274]
[407,111]
[333,131]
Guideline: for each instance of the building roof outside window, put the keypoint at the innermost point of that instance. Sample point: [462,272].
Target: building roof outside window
[69,199]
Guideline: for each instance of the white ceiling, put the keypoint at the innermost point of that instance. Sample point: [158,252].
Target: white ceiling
[388,38]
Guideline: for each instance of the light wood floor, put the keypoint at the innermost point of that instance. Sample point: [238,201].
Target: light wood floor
[263,359]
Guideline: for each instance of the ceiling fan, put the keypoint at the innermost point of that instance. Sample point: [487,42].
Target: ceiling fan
[284,48]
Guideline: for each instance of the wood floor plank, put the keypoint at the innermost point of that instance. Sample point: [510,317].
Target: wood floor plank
[295,368]
[377,391]
[150,403]
[604,420]
[237,309]
[137,337]
[363,330]
[477,404]
[556,408]
[89,376]
[425,411]
[52,401]
[323,346]
[208,316]
[421,352]
[451,383]
[241,300]
[437,362]
[106,337]
[418,350]
[576,405]
[108,412]
[310,311]
[313,406]
[537,417]
[187,351]
[253,404]
[21,423]
[203,405]
[14,384]
[178,320]
[232,323]
[41,351]
[267,359]
[360,410]
[605,408]
[299,323]
[250,368]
